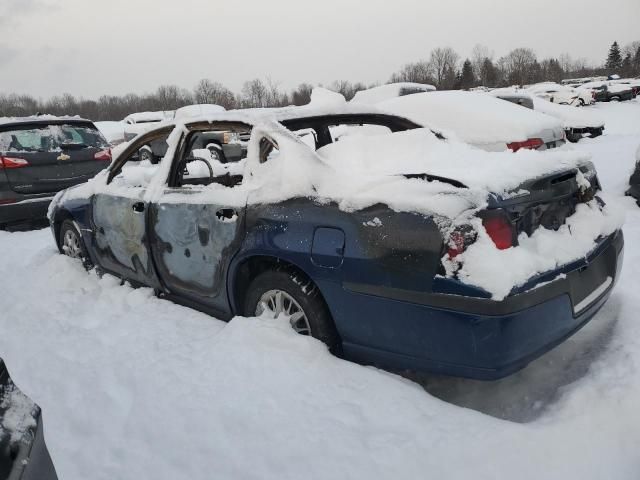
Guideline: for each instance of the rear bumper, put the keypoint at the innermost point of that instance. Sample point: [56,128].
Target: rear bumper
[24,208]
[475,337]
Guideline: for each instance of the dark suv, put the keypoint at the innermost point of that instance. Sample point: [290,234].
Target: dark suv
[39,156]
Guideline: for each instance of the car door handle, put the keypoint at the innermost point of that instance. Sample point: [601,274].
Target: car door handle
[226,214]
[138,207]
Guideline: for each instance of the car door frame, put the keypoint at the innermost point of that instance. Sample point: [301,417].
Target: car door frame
[105,255]
[214,300]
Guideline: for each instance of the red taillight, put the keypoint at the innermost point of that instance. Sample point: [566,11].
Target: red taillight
[500,231]
[12,162]
[103,155]
[530,144]
[460,239]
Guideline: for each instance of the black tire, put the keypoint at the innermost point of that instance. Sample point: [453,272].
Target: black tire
[68,229]
[305,293]
[217,151]
[615,99]
[147,154]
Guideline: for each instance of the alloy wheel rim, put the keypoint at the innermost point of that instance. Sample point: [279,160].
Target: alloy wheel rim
[278,302]
[71,244]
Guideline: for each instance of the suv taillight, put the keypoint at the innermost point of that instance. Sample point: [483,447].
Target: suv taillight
[12,162]
[103,155]
[530,144]
[499,230]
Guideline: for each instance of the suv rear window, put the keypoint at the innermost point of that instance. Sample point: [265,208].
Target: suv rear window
[51,138]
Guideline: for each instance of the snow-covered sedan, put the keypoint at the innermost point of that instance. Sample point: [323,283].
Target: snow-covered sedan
[394,245]
[480,120]
[577,123]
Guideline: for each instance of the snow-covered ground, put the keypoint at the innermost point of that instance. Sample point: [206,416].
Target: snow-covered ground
[136,387]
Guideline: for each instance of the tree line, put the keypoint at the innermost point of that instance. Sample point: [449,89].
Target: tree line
[444,68]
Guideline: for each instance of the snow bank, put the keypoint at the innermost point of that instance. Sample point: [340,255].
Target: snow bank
[474,117]
[372,96]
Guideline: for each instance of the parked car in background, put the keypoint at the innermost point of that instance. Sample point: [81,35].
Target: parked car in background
[41,155]
[312,229]
[577,123]
[608,91]
[633,83]
[136,123]
[374,95]
[23,451]
[480,119]
[561,94]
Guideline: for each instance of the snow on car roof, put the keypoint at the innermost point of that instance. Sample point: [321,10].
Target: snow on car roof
[388,91]
[149,116]
[474,117]
[41,118]
[198,110]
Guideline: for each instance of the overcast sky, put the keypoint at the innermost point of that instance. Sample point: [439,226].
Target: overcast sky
[90,47]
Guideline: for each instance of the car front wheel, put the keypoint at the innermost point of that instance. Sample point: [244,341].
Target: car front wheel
[71,243]
[282,292]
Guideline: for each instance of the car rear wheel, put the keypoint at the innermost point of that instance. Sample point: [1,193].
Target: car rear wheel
[71,243]
[615,99]
[283,292]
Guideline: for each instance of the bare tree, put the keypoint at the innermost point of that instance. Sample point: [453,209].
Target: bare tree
[418,72]
[478,56]
[519,65]
[208,91]
[443,61]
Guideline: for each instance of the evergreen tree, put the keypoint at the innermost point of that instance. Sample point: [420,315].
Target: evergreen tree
[467,78]
[614,60]
[627,68]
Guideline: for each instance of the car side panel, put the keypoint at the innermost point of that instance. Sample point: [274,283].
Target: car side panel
[382,248]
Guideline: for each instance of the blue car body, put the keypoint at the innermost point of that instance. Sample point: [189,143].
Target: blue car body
[384,287]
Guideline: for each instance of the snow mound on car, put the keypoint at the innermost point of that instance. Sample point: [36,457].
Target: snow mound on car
[474,117]
[419,151]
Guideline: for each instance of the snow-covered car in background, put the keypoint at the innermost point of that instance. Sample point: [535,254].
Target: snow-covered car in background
[562,94]
[633,83]
[23,451]
[389,245]
[577,123]
[374,95]
[608,91]
[137,123]
[480,120]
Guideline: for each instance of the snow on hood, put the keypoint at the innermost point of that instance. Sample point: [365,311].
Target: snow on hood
[420,151]
[474,117]
[374,95]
